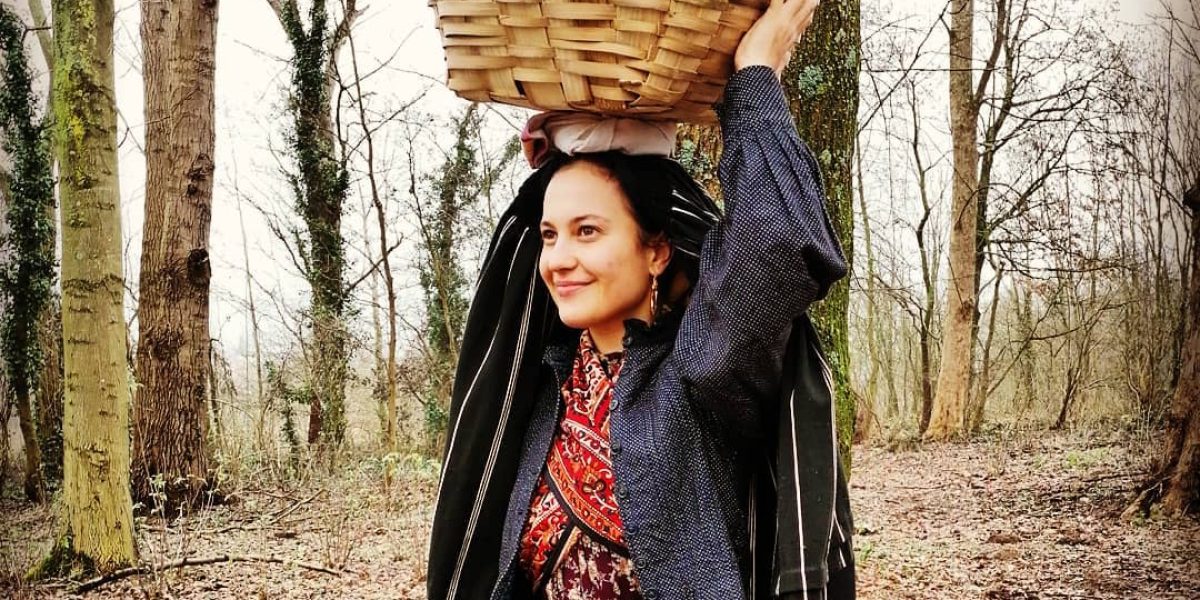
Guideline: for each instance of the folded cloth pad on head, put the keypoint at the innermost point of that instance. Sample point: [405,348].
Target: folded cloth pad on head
[576,132]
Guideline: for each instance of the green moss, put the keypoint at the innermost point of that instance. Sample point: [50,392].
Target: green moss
[63,562]
[811,82]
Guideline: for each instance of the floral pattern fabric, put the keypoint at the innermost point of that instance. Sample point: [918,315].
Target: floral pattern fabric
[572,545]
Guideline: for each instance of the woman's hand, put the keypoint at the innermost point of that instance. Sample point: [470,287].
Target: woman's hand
[773,37]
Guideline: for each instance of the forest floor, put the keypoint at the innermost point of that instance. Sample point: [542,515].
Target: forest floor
[1019,517]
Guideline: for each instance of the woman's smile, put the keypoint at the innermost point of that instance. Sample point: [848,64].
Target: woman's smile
[566,289]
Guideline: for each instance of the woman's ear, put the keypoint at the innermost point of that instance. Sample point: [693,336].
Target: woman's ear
[660,254]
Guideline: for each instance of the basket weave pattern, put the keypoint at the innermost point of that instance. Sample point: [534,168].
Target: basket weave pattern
[653,59]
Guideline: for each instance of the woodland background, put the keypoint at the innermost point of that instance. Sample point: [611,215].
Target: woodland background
[237,251]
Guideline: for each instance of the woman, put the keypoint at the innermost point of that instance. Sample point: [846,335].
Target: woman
[640,409]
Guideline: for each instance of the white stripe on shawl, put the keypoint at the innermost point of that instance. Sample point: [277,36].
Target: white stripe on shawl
[827,376]
[796,482]
[475,379]
[753,518]
[711,216]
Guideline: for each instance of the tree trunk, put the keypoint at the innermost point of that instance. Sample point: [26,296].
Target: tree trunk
[958,341]
[50,394]
[1183,488]
[1176,485]
[821,84]
[264,400]
[5,413]
[929,274]
[97,510]
[28,280]
[19,390]
[320,185]
[22,368]
[873,334]
[385,263]
[698,149]
[984,383]
[441,275]
[1026,389]
[170,414]
[34,487]
[5,404]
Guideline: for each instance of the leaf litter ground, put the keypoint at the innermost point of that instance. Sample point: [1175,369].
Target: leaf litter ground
[1032,516]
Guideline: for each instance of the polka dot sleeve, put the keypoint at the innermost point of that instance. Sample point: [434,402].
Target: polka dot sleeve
[770,257]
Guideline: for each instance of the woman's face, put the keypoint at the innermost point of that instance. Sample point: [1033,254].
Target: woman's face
[593,259]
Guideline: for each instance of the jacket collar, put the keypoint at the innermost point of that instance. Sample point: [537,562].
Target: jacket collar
[561,346]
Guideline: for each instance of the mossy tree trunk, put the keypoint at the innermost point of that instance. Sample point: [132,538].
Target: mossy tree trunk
[698,149]
[320,184]
[441,274]
[49,396]
[170,431]
[5,406]
[821,84]
[97,509]
[26,282]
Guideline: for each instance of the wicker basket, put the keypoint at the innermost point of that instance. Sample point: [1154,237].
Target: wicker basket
[654,59]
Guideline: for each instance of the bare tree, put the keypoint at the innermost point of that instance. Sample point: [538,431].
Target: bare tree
[378,202]
[173,355]
[958,343]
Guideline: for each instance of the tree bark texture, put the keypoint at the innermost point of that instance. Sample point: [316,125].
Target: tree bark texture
[50,394]
[97,510]
[958,340]
[170,416]
[1182,458]
[821,84]
[698,149]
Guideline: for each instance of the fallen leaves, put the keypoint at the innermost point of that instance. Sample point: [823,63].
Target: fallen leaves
[1035,517]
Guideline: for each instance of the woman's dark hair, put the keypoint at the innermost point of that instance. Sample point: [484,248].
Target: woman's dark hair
[641,180]
[652,185]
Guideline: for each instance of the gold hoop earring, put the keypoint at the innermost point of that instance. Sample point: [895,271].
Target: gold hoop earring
[653,296]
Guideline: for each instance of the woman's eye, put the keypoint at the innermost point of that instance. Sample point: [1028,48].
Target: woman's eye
[547,235]
[587,230]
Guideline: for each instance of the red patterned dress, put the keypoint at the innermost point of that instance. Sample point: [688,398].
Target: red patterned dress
[572,545]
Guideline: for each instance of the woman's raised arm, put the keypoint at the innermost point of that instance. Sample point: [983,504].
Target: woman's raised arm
[770,257]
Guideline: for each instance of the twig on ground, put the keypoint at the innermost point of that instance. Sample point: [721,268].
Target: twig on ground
[92,584]
[1119,475]
[291,509]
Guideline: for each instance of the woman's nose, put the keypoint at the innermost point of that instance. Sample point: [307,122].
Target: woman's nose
[559,256]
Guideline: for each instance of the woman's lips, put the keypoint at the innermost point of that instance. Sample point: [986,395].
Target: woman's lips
[567,289]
